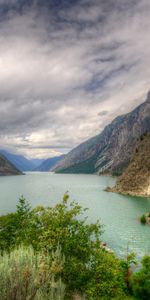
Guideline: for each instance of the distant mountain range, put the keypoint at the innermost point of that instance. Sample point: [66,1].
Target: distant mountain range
[20,162]
[111,150]
[47,164]
[37,161]
[24,165]
[108,152]
[7,168]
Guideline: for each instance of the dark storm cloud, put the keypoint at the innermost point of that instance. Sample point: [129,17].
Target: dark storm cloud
[68,67]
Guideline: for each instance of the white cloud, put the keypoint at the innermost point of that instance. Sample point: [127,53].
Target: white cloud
[61,70]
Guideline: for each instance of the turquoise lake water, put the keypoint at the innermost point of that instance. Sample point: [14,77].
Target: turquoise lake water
[119,214]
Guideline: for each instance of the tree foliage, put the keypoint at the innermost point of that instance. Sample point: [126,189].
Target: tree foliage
[140,280]
[85,267]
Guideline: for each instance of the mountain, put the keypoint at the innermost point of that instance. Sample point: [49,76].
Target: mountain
[19,161]
[7,168]
[136,178]
[37,161]
[49,163]
[110,151]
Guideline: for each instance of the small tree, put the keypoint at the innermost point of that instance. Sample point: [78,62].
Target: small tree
[107,279]
[8,229]
[143,219]
[126,265]
[23,219]
[140,280]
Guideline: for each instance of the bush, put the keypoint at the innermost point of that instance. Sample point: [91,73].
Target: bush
[143,219]
[26,275]
[140,280]
[46,228]
[7,232]
[17,228]
[45,248]
[107,280]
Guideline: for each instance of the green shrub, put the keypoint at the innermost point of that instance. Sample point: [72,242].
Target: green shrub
[127,267]
[140,280]
[26,275]
[8,227]
[33,265]
[143,219]
[107,278]
[46,228]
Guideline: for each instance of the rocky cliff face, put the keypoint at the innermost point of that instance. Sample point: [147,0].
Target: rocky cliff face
[136,178]
[110,151]
[6,168]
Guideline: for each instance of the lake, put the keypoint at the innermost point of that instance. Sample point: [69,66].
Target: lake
[119,214]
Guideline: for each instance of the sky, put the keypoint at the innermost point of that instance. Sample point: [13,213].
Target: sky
[68,68]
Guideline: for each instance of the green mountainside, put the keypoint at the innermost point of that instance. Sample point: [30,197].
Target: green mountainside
[7,168]
[136,178]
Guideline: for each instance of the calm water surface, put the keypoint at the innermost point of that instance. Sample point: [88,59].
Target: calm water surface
[118,213]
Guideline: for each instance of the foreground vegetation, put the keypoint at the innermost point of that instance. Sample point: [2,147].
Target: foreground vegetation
[145,219]
[53,253]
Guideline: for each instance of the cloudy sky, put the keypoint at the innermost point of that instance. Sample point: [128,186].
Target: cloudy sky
[67,68]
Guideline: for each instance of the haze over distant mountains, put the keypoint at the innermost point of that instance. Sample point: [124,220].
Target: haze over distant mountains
[25,165]
[47,164]
[19,161]
[111,150]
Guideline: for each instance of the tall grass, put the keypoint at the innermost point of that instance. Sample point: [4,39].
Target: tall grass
[25,275]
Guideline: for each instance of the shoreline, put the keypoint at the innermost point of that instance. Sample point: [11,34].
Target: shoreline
[126,193]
